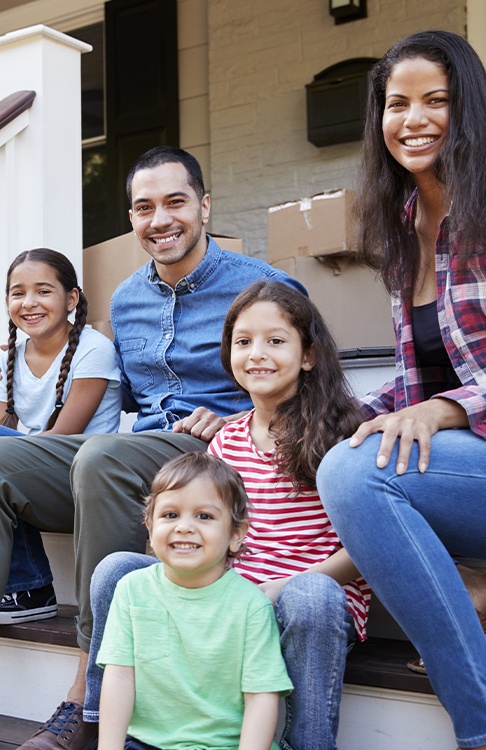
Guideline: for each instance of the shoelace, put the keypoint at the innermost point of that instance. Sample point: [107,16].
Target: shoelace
[8,598]
[59,722]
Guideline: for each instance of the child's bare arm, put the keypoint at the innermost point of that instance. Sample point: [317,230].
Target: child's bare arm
[259,721]
[338,566]
[116,706]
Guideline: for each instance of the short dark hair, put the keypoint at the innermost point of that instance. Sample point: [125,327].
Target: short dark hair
[165,155]
[180,471]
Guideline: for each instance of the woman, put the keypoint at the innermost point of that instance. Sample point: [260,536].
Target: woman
[409,488]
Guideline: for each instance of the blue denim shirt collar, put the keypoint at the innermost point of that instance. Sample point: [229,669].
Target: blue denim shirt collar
[193,280]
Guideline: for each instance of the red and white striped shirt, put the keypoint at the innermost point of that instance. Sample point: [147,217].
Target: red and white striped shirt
[288,533]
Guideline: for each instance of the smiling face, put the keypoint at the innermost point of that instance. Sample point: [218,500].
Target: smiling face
[37,302]
[192,531]
[267,354]
[168,219]
[416,115]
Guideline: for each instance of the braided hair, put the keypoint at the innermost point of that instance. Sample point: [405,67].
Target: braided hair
[66,275]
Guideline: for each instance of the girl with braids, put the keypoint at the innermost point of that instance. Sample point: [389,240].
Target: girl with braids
[408,492]
[277,348]
[63,379]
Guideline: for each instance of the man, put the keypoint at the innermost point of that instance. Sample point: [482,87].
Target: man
[167,319]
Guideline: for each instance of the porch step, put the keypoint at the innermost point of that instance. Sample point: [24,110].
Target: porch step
[38,663]
[56,631]
[384,705]
[13,732]
[378,662]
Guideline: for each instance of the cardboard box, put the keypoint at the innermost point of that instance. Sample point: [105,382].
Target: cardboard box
[321,225]
[107,264]
[350,298]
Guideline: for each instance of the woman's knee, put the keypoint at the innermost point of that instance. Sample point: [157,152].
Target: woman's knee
[345,474]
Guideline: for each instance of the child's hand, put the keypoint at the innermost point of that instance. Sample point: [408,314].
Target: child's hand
[273,588]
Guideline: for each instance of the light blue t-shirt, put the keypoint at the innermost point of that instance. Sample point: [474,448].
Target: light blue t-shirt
[35,397]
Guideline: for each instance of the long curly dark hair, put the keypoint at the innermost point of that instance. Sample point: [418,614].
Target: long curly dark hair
[384,186]
[322,411]
[66,275]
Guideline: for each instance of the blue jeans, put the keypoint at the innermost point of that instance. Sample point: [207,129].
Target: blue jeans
[317,631]
[29,566]
[401,532]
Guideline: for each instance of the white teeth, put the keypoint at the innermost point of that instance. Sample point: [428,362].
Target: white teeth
[419,141]
[185,546]
[164,240]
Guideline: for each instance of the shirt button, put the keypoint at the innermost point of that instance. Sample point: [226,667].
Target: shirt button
[167,335]
[192,286]
[184,282]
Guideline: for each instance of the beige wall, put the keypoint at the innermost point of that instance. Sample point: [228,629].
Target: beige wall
[261,55]
[243,67]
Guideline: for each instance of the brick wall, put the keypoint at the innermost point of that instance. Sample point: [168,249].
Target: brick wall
[261,55]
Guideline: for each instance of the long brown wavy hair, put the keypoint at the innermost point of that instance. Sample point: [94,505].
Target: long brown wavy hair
[322,411]
[66,275]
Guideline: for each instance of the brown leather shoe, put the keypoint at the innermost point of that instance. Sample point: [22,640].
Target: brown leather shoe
[65,729]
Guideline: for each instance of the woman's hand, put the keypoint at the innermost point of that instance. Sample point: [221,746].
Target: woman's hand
[418,422]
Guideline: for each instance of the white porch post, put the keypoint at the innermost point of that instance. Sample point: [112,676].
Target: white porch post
[40,165]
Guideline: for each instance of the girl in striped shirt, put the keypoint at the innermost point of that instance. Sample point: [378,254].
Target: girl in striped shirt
[278,349]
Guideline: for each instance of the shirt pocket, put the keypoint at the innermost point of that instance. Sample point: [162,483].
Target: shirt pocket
[134,355]
[150,634]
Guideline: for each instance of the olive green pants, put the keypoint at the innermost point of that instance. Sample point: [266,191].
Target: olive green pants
[89,485]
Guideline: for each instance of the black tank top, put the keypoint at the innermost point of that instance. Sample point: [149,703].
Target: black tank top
[428,343]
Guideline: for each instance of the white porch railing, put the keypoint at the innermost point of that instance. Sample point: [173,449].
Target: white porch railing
[40,150]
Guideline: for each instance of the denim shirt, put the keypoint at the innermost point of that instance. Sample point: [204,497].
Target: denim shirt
[168,339]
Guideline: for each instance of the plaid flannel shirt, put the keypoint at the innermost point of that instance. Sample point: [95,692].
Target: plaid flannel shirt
[461,307]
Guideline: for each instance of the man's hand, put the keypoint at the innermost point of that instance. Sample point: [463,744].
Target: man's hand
[202,424]
[414,423]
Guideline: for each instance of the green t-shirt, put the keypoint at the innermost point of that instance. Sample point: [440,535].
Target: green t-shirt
[195,652]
